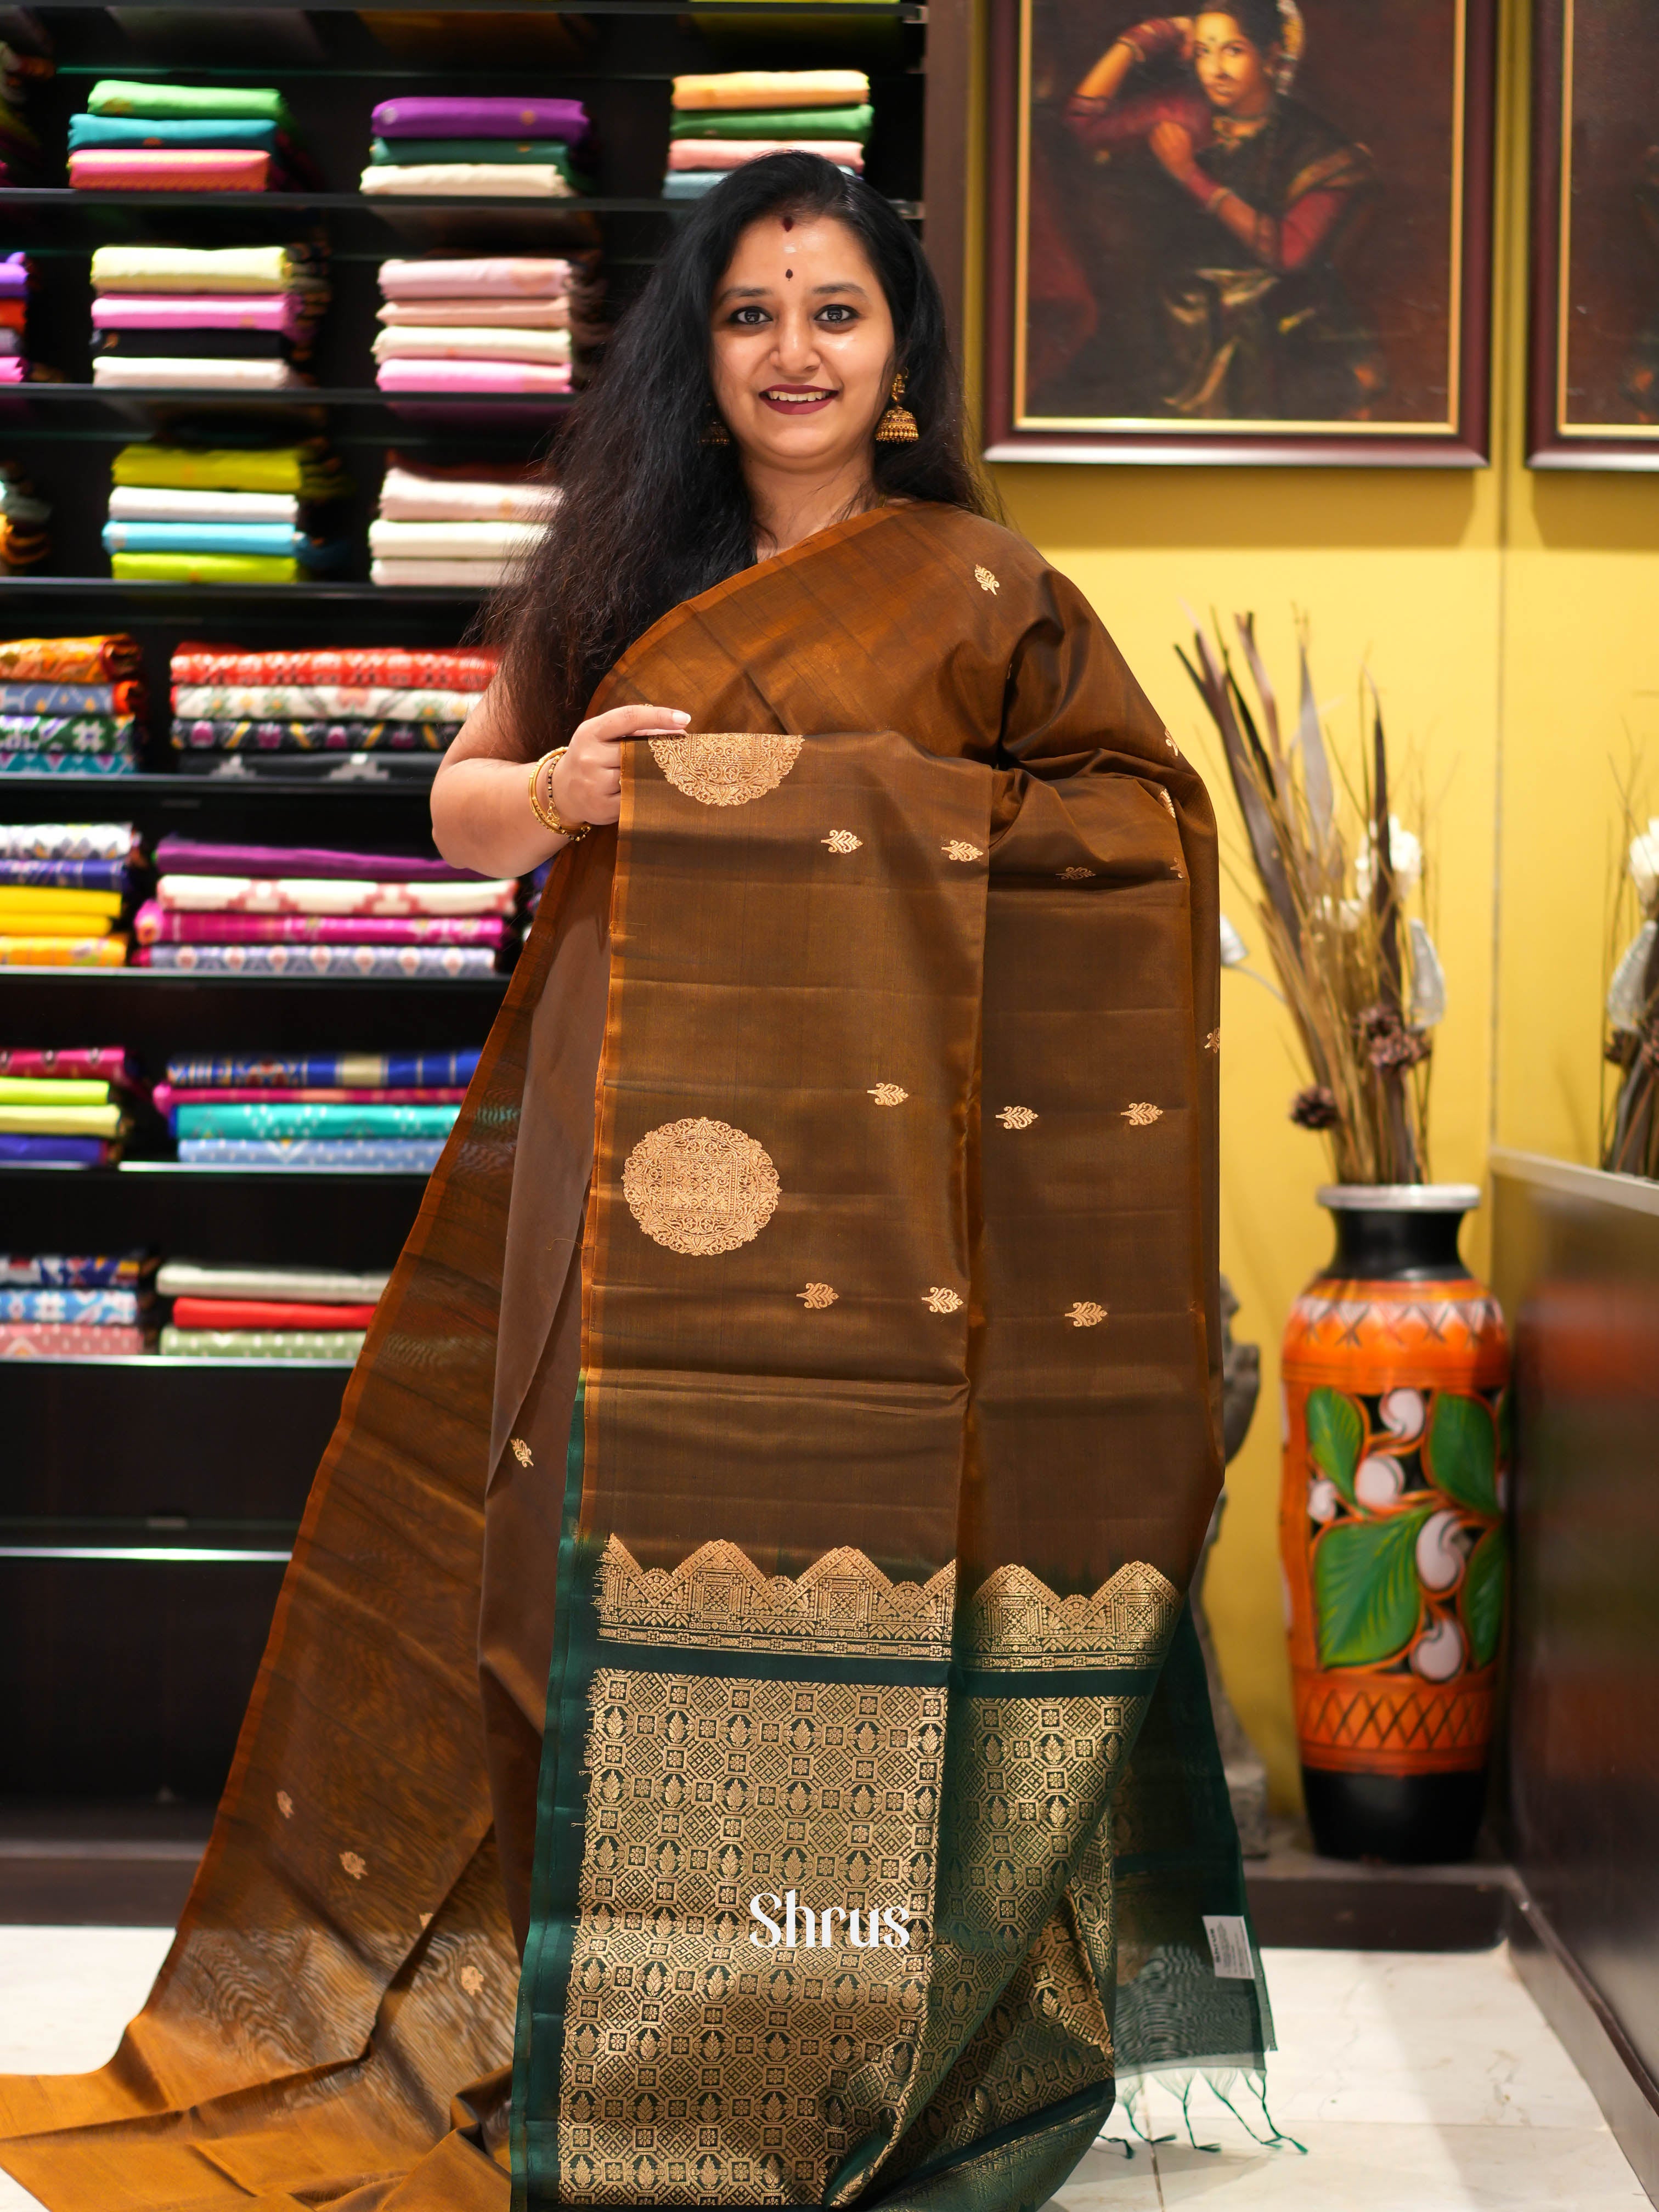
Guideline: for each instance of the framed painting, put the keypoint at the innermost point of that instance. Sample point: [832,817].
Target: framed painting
[1262,234]
[1594,395]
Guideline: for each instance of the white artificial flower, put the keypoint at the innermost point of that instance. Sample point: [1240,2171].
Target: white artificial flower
[1234,951]
[1428,1003]
[1627,999]
[1405,858]
[1644,861]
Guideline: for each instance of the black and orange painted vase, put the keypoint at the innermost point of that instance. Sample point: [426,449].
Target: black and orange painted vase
[1396,1367]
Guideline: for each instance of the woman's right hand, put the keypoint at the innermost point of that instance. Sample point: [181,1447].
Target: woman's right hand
[587,784]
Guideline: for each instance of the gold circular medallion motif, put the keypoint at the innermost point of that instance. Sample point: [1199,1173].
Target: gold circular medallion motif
[700,1187]
[725,768]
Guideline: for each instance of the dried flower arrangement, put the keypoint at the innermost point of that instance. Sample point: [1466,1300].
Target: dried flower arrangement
[1333,869]
[1630,1133]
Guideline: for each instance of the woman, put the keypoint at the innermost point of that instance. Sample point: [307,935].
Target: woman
[1261,197]
[752,1394]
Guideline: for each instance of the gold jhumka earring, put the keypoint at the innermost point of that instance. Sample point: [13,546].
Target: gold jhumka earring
[898,427]
[714,432]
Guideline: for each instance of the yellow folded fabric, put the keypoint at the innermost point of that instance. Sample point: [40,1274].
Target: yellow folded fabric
[820,87]
[57,898]
[53,1091]
[60,1120]
[19,921]
[37,951]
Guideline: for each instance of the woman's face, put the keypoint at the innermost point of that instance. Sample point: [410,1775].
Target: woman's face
[1232,69]
[801,344]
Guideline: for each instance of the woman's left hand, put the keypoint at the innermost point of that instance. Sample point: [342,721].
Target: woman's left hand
[1172,145]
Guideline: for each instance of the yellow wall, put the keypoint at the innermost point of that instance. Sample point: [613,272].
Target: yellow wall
[1509,620]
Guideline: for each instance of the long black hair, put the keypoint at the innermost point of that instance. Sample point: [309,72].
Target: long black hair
[650,513]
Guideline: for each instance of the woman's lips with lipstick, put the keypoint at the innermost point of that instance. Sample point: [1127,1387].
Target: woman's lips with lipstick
[796,398]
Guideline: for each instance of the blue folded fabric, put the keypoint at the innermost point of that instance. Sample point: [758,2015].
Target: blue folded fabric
[280,539]
[58,699]
[98,1309]
[366,1155]
[692,183]
[73,1151]
[223,131]
[67,875]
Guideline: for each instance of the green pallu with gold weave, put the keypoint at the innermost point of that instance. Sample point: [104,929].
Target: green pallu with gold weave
[881,1829]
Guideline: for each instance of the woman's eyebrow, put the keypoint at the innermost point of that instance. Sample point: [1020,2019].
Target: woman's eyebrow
[744,292]
[840,284]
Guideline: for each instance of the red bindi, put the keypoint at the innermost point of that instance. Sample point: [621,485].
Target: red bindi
[789,222]
[787,273]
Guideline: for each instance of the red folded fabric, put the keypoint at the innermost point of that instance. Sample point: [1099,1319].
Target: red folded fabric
[181,169]
[68,1340]
[265,1313]
[395,666]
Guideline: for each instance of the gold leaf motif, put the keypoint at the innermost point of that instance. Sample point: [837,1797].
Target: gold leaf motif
[1168,802]
[1142,1114]
[718,1601]
[959,849]
[285,1804]
[700,1187]
[942,1301]
[888,1094]
[1171,743]
[1017,1117]
[521,1452]
[986,581]
[1076,875]
[1084,1314]
[355,1867]
[1015,1623]
[425,1920]
[725,768]
[472,1981]
[842,840]
[816,1297]
[1212,1042]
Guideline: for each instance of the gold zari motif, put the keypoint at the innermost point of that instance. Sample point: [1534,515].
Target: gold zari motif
[1085,1314]
[842,840]
[522,1453]
[888,1094]
[987,581]
[844,1607]
[700,1187]
[1076,875]
[1017,1117]
[1014,1622]
[941,1299]
[725,768]
[960,849]
[1142,1114]
[817,1296]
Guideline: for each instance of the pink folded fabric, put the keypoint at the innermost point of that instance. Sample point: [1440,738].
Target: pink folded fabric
[12,370]
[281,312]
[155,924]
[732,153]
[175,169]
[471,376]
[500,276]
[518,313]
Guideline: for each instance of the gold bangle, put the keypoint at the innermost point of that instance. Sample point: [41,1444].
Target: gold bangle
[548,817]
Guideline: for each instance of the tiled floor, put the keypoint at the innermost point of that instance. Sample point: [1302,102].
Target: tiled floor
[1417,2082]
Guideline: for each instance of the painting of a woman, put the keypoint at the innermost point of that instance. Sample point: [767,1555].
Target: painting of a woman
[1214,209]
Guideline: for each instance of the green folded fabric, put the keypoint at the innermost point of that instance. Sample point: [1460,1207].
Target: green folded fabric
[112,96]
[808,123]
[203,568]
[300,469]
[300,1121]
[418,152]
[260,1343]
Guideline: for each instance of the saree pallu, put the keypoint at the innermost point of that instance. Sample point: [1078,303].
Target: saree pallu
[826,1250]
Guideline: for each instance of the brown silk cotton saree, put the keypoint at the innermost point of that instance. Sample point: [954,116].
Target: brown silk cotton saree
[799,1399]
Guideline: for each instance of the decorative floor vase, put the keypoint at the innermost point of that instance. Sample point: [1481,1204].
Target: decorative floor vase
[1391,1529]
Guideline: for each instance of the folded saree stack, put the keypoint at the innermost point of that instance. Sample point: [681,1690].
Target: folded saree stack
[24,543]
[365,1113]
[64,887]
[57,1306]
[474,326]
[17,280]
[69,705]
[25,62]
[476,147]
[720,122]
[160,137]
[69,1108]
[261,1312]
[465,526]
[256,514]
[315,712]
[286,910]
[205,318]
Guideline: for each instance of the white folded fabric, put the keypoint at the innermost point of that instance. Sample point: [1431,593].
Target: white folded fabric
[157,503]
[195,375]
[350,702]
[192,1279]
[527,180]
[493,277]
[478,313]
[454,540]
[472,344]
[408,496]
[330,894]
[479,575]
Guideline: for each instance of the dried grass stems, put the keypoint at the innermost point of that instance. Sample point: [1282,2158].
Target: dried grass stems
[1629,1089]
[1331,870]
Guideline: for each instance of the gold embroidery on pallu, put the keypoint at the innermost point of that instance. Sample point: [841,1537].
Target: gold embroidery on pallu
[1017,1117]
[700,1187]
[842,840]
[698,2065]
[725,768]
[842,1608]
[816,1297]
[1014,1622]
